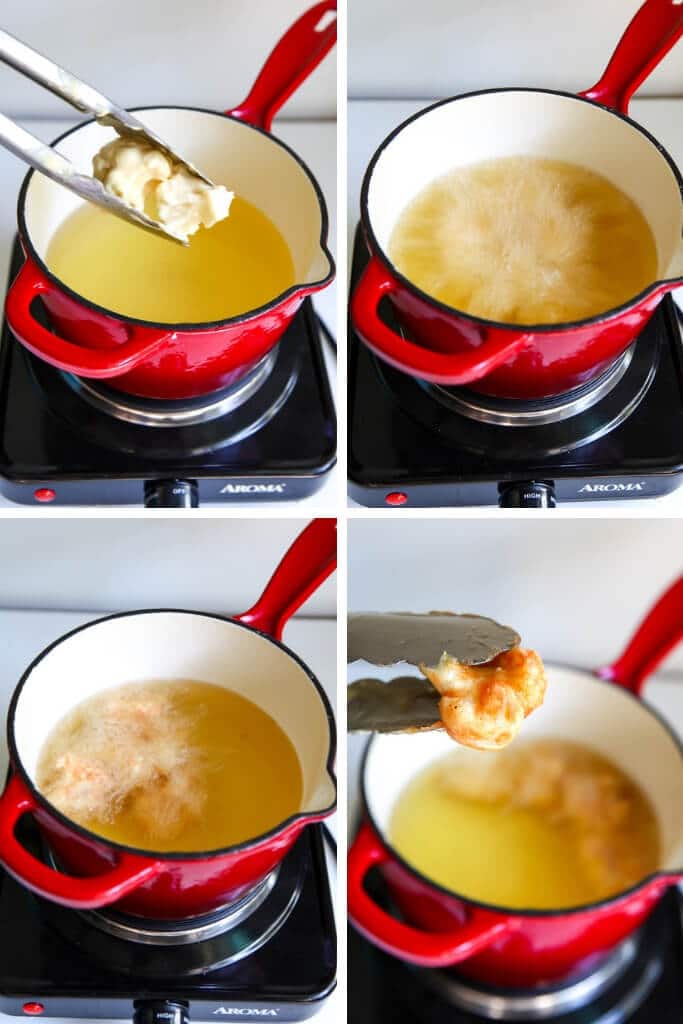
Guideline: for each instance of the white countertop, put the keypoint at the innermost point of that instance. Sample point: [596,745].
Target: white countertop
[370,121]
[23,634]
[315,142]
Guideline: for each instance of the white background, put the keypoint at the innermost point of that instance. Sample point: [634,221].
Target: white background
[190,52]
[215,565]
[404,48]
[573,589]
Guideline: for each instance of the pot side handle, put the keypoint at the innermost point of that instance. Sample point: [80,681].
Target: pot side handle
[97,363]
[78,893]
[438,367]
[427,949]
[659,632]
[306,565]
[654,29]
[294,58]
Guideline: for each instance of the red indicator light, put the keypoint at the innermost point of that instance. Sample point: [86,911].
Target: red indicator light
[396,498]
[44,494]
[33,1009]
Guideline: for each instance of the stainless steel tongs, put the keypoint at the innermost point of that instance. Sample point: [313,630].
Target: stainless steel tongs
[86,99]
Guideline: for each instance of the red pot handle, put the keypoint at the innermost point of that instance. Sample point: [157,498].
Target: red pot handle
[427,949]
[308,562]
[655,28]
[659,632]
[80,893]
[438,367]
[27,285]
[294,58]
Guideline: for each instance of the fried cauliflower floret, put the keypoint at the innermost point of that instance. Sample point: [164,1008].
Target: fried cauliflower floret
[140,718]
[483,706]
[79,786]
[594,799]
[539,789]
[168,805]
[530,775]
[467,775]
[134,754]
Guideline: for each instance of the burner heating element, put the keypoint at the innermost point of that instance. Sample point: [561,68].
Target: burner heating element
[555,1002]
[639,982]
[147,412]
[508,413]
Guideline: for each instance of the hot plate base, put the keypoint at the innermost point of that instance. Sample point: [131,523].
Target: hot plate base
[286,979]
[650,991]
[52,440]
[406,448]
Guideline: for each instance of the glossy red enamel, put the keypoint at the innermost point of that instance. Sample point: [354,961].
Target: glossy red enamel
[94,873]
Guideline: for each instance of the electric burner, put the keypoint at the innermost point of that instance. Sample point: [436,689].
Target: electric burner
[418,444]
[640,983]
[272,956]
[149,412]
[68,441]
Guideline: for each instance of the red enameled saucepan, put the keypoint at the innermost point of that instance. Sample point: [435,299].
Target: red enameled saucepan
[175,361]
[446,346]
[525,949]
[244,653]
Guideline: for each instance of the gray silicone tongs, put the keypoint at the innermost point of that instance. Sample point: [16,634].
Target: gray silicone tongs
[88,100]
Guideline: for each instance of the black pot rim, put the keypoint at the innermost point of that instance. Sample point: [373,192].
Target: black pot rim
[514,912]
[176,328]
[171,856]
[549,329]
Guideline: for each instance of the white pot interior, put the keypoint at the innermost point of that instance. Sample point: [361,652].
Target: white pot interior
[577,707]
[176,645]
[526,123]
[253,165]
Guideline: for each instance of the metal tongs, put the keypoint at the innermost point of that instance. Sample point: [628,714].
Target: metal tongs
[86,99]
[410,703]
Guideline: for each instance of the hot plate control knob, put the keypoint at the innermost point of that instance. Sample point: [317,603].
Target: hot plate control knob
[171,494]
[160,1011]
[527,494]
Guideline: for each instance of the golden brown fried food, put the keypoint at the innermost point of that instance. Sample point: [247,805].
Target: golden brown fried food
[78,785]
[135,740]
[168,805]
[483,706]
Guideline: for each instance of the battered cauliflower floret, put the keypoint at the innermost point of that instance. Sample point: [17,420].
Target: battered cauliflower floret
[483,706]
[592,798]
[135,753]
[169,804]
[79,786]
[149,181]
